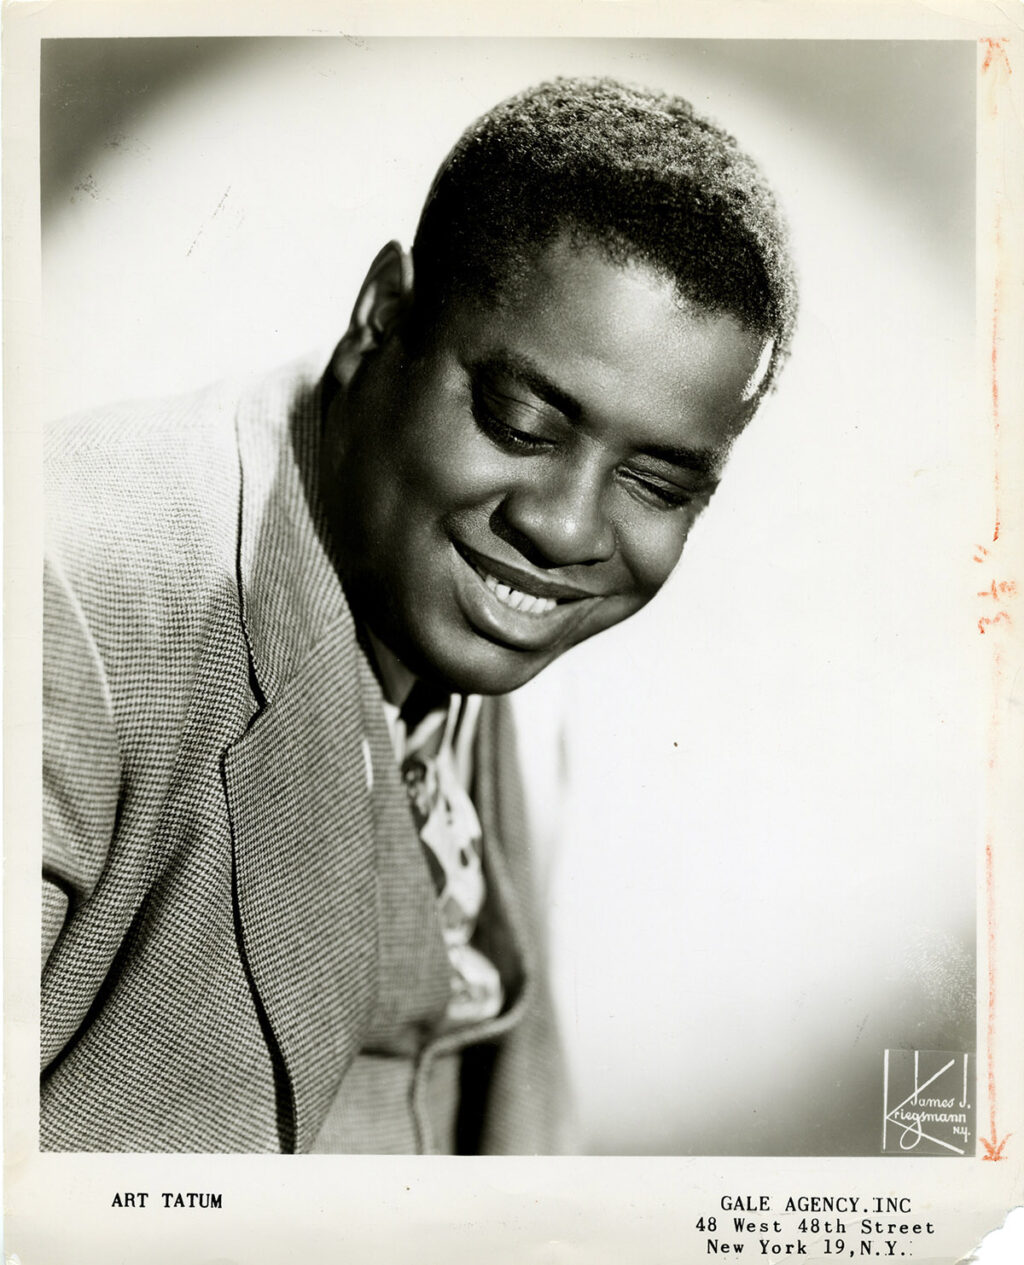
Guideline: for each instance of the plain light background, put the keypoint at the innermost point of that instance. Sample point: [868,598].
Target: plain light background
[758,802]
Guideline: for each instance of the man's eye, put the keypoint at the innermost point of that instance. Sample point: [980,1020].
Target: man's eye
[501,433]
[664,495]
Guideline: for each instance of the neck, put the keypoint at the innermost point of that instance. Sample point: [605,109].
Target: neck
[395,678]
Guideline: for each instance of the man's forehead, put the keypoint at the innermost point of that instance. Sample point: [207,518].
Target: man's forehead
[573,274]
[589,315]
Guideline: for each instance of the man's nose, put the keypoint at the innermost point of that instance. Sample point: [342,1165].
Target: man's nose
[560,516]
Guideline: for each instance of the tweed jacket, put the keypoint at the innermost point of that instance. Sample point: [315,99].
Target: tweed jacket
[210,900]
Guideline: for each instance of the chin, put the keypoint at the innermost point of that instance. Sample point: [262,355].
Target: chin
[482,669]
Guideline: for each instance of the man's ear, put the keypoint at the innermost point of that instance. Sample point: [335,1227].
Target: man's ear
[383,298]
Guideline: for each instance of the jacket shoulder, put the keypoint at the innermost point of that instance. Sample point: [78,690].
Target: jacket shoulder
[142,504]
[145,476]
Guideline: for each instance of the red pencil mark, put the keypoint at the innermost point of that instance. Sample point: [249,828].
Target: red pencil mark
[985,622]
[996,48]
[999,588]
[996,61]
[993,1144]
[995,1152]
[995,69]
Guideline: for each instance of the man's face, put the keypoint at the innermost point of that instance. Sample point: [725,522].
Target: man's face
[530,477]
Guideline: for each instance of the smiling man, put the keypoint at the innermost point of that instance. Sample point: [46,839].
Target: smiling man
[526,478]
[287,895]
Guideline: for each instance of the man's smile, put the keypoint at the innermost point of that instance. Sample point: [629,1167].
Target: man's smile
[521,580]
[515,606]
[517,599]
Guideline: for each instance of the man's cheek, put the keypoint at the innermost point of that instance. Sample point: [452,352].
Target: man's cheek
[654,559]
[454,484]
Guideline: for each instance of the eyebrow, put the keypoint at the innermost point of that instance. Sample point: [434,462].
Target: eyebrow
[524,373]
[703,461]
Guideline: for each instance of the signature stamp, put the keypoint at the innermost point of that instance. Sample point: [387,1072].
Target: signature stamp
[927,1103]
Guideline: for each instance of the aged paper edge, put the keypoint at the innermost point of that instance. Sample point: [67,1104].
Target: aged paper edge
[552,1210]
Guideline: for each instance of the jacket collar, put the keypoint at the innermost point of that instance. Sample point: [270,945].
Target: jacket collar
[289,587]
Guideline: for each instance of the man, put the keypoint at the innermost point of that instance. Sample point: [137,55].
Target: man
[287,899]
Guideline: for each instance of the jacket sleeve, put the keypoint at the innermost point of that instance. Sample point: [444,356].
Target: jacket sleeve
[81,758]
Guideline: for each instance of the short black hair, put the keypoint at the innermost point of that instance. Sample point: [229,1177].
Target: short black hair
[638,173]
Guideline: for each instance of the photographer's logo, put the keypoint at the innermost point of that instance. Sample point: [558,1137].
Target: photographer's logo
[927,1103]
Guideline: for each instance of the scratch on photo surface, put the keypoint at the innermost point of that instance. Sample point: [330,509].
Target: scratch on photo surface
[203,227]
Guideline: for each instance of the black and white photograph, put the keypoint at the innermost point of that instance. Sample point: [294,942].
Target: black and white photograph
[527,654]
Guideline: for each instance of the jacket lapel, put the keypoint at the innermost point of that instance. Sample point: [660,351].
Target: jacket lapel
[296,781]
[305,880]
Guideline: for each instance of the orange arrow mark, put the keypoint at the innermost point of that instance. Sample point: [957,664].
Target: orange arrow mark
[993,1144]
[993,1152]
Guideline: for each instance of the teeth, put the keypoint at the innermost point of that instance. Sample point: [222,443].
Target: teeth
[519,601]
